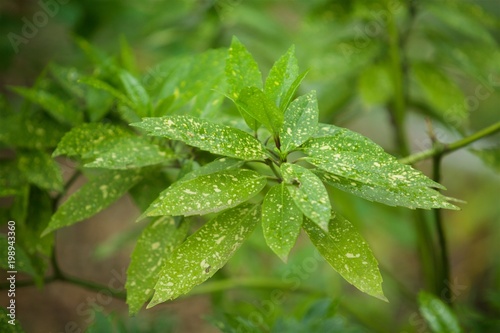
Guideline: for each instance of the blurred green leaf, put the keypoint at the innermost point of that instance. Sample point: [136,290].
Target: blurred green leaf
[158,240]
[41,170]
[438,315]
[136,93]
[348,253]
[5,325]
[205,252]
[375,85]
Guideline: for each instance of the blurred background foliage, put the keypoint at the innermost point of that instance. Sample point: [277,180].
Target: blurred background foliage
[447,69]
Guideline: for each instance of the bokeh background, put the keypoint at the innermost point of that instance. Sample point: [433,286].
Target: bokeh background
[345,44]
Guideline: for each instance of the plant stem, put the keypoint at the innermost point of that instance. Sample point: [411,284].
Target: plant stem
[444,149]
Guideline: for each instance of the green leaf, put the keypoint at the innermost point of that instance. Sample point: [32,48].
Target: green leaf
[360,166]
[438,315]
[60,110]
[218,165]
[490,156]
[208,193]
[127,58]
[375,85]
[281,220]
[40,169]
[301,121]
[285,101]
[101,85]
[22,262]
[149,188]
[205,252]
[136,93]
[95,195]
[158,240]
[281,78]
[441,93]
[242,71]
[12,182]
[258,106]
[129,153]
[348,253]
[308,192]
[215,138]
[89,140]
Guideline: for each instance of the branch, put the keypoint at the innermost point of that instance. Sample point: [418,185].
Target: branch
[441,150]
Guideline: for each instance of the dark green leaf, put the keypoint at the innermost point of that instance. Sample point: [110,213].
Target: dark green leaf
[208,193]
[205,252]
[308,192]
[95,195]
[438,315]
[348,253]
[5,322]
[258,106]
[22,262]
[216,138]
[281,220]
[160,238]
[301,122]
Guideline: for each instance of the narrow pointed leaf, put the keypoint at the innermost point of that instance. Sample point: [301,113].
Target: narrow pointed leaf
[287,98]
[242,71]
[348,253]
[281,220]
[158,240]
[58,109]
[104,86]
[205,252]
[208,193]
[221,164]
[438,315]
[40,169]
[258,106]
[129,153]
[215,138]
[308,193]
[281,77]
[136,93]
[95,195]
[301,122]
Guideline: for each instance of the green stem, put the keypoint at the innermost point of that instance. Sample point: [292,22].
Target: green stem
[444,149]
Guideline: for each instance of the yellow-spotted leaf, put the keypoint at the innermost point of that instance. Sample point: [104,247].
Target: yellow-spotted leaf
[348,253]
[281,220]
[208,193]
[205,252]
[158,240]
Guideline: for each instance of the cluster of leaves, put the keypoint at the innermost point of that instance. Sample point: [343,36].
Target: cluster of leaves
[273,170]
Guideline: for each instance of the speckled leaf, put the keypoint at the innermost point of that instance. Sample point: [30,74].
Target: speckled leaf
[158,240]
[208,193]
[281,77]
[257,105]
[301,121]
[308,192]
[40,169]
[129,153]
[216,138]
[95,195]
[285,101]
[205,252]
[348,253]
[438,315]
[88,140]
[410,197]
[281,220]
[242,71]
[12,181]
[58,109]
[136,93]
[372,172]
